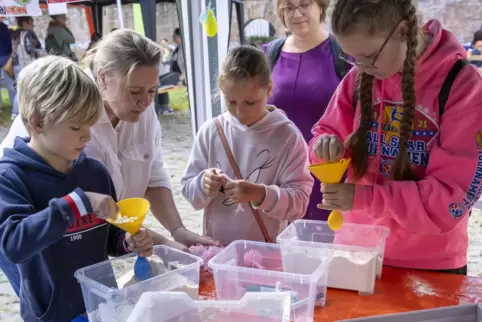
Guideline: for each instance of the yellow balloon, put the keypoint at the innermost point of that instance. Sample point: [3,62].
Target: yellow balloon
[211,25]
[335,220]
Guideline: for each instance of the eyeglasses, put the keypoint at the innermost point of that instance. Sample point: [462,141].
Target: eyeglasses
[372,63]
[304,8]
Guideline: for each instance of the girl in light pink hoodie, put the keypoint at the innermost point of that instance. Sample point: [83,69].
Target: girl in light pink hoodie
[410,115]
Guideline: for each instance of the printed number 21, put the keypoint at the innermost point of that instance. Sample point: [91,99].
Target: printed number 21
[76,237]
[422,124]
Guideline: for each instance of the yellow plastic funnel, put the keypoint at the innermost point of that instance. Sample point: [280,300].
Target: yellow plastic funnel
[132,213]
[331,172]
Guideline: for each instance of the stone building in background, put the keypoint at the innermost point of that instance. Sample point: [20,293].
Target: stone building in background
[463,17]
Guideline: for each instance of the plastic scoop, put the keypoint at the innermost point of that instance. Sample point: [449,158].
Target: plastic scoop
[331,172]
[132,213]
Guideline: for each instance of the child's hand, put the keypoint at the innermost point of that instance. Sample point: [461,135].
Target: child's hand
[213,180]
[103,205]
[328,147]
[241,191]
[338,196]
[140,243]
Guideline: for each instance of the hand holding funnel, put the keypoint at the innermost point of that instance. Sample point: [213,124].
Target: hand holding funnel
[331,172]
[132,213]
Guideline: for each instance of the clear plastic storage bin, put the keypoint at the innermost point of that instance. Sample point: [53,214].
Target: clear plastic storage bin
[357,251]
[109,295]
[178,307]
[247,266]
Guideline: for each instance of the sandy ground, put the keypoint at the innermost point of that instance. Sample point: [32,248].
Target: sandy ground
[177,141]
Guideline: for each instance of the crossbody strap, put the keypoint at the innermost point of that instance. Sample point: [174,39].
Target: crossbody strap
[444,93]
[341,67]
[235,167]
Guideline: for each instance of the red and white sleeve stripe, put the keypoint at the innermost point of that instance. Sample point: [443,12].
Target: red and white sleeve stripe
[76,204]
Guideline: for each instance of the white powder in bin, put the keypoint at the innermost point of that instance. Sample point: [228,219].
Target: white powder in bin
[124,220]
[379,266]
[353,270]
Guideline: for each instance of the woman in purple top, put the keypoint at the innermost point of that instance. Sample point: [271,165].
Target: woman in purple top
[304,76]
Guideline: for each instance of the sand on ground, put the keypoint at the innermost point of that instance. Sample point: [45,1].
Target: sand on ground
[177,142]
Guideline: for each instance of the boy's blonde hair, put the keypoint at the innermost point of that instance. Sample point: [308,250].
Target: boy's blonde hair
[53,90]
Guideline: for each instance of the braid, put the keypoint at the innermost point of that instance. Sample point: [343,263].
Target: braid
[401,169]
[358,140]
[371,17]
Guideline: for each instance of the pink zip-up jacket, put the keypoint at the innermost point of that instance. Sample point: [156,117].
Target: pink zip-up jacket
[428,219]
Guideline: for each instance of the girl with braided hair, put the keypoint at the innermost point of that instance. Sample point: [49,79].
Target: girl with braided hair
[415,141]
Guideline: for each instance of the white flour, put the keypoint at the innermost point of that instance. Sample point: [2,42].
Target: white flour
[124,220]
[354,270]
[421,287]
[119,310]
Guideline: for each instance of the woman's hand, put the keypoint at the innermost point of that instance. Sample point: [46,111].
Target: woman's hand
[338,196]
[212,181]
[103,206]
[140,243]
[241,191]
[328,147]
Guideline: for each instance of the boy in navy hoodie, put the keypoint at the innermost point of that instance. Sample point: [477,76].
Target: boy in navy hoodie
[53,199]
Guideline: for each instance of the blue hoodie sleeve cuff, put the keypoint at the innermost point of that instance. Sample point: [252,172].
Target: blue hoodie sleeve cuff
[76,203]
[125,244]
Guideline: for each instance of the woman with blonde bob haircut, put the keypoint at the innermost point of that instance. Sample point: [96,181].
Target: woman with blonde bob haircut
[127,137]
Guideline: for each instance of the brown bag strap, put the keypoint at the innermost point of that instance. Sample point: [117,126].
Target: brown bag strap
[235,167]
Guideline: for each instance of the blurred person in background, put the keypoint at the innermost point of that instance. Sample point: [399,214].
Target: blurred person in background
[60,40]
[26,48]
[165,67]
[304,63]
[476,48]
[5,55]
[178,64]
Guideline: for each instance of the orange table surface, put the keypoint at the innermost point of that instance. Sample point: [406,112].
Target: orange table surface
[399,290]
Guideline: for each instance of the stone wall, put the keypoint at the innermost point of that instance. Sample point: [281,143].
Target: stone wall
[462,17]
[77,22]
[166,14]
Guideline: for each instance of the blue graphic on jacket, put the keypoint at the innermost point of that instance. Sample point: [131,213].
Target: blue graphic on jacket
[44,238]
[424,130]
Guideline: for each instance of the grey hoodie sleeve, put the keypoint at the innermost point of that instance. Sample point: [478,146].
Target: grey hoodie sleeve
[191,181]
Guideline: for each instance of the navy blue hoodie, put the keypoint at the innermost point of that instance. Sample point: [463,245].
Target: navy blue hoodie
[48,231]
[5,41]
